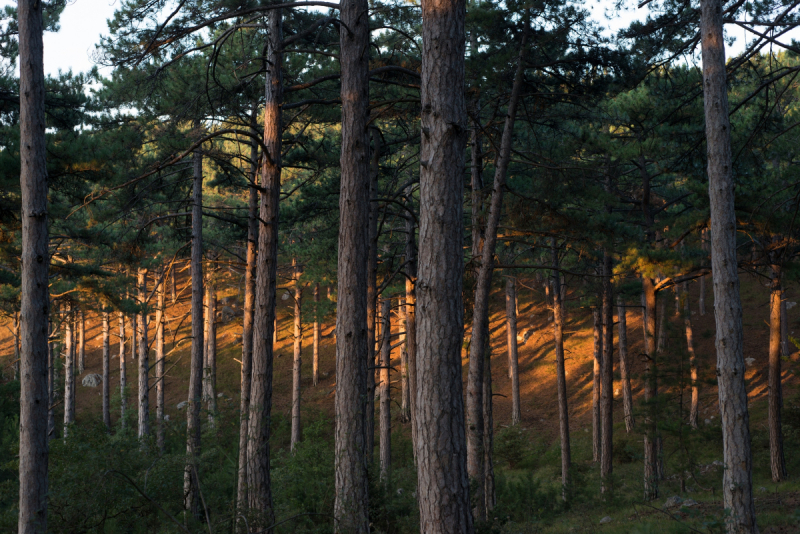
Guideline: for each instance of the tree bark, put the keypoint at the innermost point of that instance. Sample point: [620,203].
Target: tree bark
[694,408]
[247,321]
[161,298]
[386,407]
[443,484]
[625,378]
[650,392]
[372,298]
[211,345]
[15,328]
[81,341]
[106,373]
[785,348]
[701,302]
[607,390]
[190,479]
[354,346]
[480,317]
[597,385]
[563,409]
[264,319]
[33,452]
[123,371]
[144,360]
[411,318]
[490,495]
[513,355]
[52,350]
[298,356]
[69,370]
[315,363]
[405,408]
[777,459]
[737,476]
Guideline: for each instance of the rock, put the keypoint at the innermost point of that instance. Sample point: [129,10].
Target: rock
[718,463]
[182,405]
[606,519]
[708,421]
[220,395]
[688,503]
[285,295]
[672,502]
[166,417]
[92,381]
[749,361]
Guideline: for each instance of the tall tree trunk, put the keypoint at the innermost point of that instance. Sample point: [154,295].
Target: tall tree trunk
[490,495]
[777,460]
[211,346]
[625,378]
[106,373]
[298,355]
[737,476]
[701,303]
[785,348]
[123,372]
[161,298]
[443,484]
[15,327]
[81,341]
[480,317]
[133,328]
[650,392]
[607,390]
[411,318]
[190,479]
[315,349]
[354,346]
[372,297]
[661,343]
[687,323]
[69,370]
[33,451]
[563,409]
[174,293]
[597,384]
[144,360]
[513,355]
[405,407]
[386,407]
[264,319]
[247,320]
[52,351]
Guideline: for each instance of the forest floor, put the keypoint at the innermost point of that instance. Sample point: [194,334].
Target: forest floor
[528,458]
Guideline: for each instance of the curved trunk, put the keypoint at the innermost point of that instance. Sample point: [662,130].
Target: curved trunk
[625,378]
[386,407]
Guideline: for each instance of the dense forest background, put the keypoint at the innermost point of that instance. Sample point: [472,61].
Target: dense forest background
[401,267]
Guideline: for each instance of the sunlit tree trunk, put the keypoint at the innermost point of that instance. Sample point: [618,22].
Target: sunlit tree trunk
[405,407]
[69,369]
[513,354]
[777,459]
[81,341]
[694,407]
[625,378]
[15,328]
[298,355]
[106,373]
[144,360]
[210,367]
[386,407]
[411,317]
[597,384]
[123,371]
[650,392]
[737,475]
[315,363]
[161,296]
[561,376]
[607,390]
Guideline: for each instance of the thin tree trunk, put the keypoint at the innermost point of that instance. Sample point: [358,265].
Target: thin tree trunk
[563,409]
[133,328]
[405,408]
[662,326]
[52,351]
[650,392]
[211,349]
[123,374]
[190,478]
[513,355]
[144,360]
[247,322]
[701,303]
[315,363]
[625,378]
[81,341]
[488,436]
[785,348]
[372,297]
[443,483]
[106,373]
[174,293]
[687,323]
[264,319]
[777,459]
[160,363]
[33,451]
[411,318]
[386,408]
[480,317]
[607,390]
[737,475]
[69,370]
[597,384]
[298,356]
[15,327]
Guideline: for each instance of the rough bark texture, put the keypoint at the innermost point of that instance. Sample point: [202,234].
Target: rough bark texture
[405,407]
[354,346]
[490,495]
[737,477]
[123,371]
[161,297]
[297,357]
[144,359]
[106,373]
[777,459]
[701,303]
[190,482]
[15,329]
[411,319]
[34,288]
[372,298]
[443,484]
[210,368]
[81,341]
[597,384]
[561,376]
[694,407]
[480,317]
[511,339]
[315,348]
[264,320]
[69,370]
[607,390]
[650,392]
[247,323]
[386,406]
[625,378]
